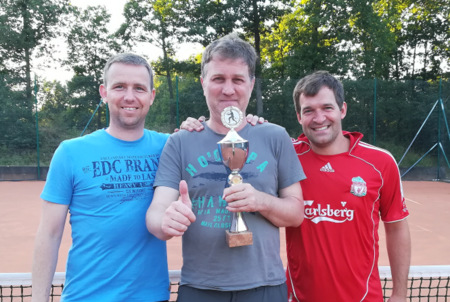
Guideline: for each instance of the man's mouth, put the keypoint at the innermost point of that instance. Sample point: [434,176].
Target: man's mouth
[321,128]
[129,108]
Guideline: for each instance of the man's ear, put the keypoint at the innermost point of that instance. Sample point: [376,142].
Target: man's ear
[103,92]
[299,118]
[203,87]
[343,110]
[153,93]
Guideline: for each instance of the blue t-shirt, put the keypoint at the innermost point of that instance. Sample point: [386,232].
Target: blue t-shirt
[108,185]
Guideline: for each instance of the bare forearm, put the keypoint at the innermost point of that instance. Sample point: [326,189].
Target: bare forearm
[283,212]
[398,243]
[287,210]
[47,242]
[44,265]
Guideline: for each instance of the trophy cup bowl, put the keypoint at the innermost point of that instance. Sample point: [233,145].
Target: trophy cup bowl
[233,150]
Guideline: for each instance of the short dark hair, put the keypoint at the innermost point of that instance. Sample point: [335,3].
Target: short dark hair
[130,59]
[311,84]
[230,47]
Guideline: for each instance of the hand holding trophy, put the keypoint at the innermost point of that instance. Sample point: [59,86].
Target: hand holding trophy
[233,150]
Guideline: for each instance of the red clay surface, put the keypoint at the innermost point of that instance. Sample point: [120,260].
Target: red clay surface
[20,206]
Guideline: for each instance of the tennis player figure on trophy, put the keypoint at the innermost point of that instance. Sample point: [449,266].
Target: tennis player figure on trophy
[233,150]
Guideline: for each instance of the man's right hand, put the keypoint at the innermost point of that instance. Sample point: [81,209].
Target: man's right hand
[178,216]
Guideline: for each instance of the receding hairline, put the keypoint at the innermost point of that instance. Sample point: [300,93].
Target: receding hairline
[218,57]
[128,59]
[230,46]
[311,84]
[140,70]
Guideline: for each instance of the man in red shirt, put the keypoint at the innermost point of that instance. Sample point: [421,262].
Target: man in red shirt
[350,185]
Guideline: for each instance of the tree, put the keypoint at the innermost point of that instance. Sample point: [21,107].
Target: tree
[374,40]
[256,19]
[157,22]
[54,122]
[312,37]
[90,45]
[426,36]
[17,131]
[209,20]
[26,27]
[54,98]
[206,21]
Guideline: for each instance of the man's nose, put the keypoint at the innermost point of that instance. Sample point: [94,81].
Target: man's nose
[129,94]
[319,116]
[228,88]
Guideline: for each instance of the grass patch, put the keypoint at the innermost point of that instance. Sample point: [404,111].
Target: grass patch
[24,157]
[411,157]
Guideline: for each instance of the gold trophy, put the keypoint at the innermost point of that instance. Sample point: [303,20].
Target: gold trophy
[233,150]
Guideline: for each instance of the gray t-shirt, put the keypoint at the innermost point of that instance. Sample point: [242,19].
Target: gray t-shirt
[272,164]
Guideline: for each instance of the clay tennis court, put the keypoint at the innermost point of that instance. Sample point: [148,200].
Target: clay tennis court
[20,205]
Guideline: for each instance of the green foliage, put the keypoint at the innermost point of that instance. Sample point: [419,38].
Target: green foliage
[370,30]
[16,120]
[411,158]
[279,105]
[90,45]
[404,44]
[12,156]
[206,21]
[191,103]
[157,22]
[425,37]
[312,37]
[26,26]
[25,30]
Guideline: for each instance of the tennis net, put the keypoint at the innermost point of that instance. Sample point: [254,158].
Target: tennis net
[425,283]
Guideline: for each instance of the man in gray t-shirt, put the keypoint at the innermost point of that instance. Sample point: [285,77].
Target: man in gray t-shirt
[270,197]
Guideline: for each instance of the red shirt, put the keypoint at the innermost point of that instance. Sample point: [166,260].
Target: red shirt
[333,255]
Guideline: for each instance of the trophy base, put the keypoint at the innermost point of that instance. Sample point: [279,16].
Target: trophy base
[239,239]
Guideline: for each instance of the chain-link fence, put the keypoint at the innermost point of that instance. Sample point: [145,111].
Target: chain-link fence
[399,116]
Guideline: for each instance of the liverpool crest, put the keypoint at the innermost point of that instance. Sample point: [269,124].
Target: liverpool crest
[359,187]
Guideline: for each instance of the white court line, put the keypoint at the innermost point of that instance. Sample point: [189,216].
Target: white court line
[421,228]
[412,201]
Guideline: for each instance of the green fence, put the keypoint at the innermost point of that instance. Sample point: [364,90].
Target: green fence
[400,116]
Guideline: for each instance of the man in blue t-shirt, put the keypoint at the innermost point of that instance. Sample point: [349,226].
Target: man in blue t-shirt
[269,198]
[105,181]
